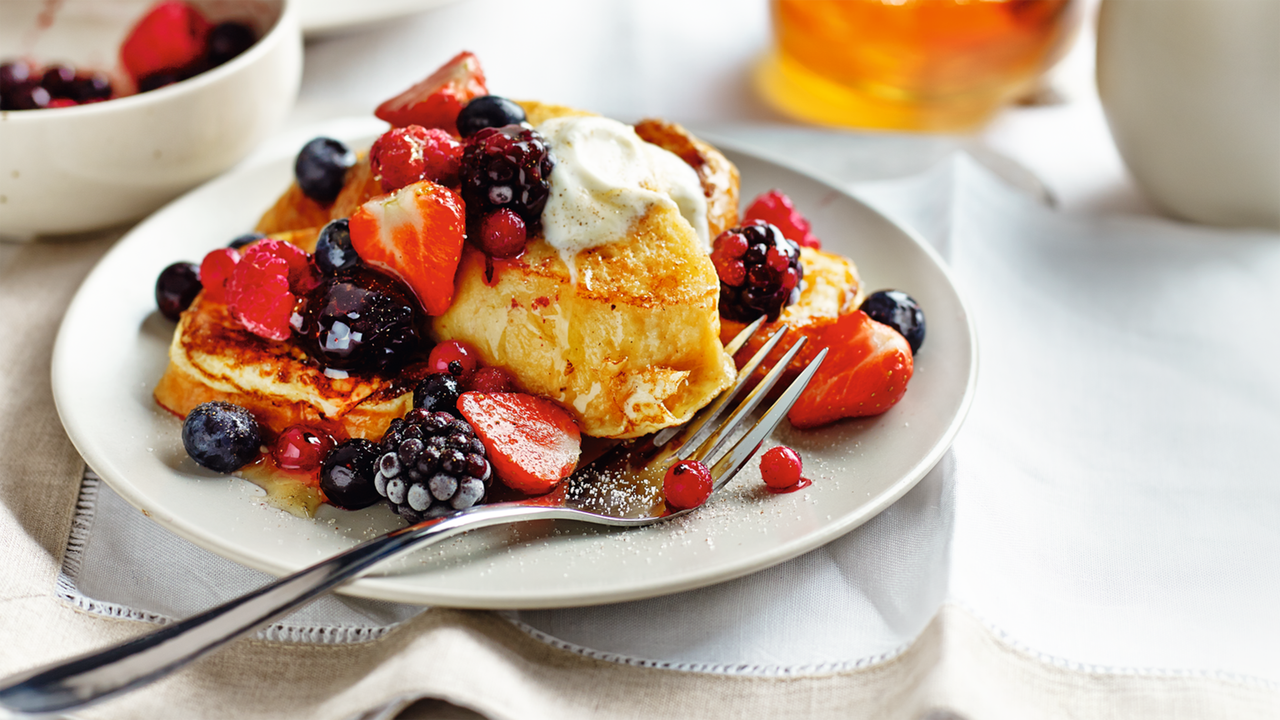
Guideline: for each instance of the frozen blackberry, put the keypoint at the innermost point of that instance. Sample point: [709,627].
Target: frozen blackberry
[438,392]
[759,271]
[346,476]
[221,436]
[432,463]
[506,167]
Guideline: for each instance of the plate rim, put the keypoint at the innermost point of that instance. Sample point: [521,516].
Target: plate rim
[388,588]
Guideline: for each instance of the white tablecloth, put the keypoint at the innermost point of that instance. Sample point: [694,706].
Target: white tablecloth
[1103,540]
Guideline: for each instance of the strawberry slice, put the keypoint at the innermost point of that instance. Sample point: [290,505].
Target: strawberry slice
[532,443]
[865,373]
[416,234]
[436,101]
[172,36]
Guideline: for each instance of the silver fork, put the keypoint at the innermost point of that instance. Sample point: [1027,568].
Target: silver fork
[586,496]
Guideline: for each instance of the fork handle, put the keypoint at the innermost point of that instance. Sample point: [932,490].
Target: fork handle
[97,675]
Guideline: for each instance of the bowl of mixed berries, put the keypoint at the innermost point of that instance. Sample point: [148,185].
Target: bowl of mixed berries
[110,111]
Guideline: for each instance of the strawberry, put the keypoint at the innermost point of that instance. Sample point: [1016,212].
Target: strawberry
[532,443]
[436,101]
[416,234]
[171,37]
[865,373]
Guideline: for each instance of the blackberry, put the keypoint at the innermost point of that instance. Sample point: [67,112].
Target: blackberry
[488,111]
[899,311]
[438,392]
[364,320]
[432,464]
[346,475]
[506,167]
[759,271]
[221,436]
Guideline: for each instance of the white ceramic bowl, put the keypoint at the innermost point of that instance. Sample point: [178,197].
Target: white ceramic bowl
[84,168]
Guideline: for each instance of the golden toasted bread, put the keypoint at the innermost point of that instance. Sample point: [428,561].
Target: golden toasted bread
[719,177]
[631,348]
[295,211]
[213,357]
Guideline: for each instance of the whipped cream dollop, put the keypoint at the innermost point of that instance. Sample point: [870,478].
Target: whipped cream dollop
[606,178]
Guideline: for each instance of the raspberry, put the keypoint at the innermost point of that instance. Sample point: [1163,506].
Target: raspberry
[432,463]
[215,270]
[759,271]
[456,358]
[265,285]
[503,234]
[780,467]
[776,208]
[687,485]
[403,156]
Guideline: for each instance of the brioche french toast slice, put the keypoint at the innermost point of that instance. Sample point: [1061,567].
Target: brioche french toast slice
[632,347]
[213,357]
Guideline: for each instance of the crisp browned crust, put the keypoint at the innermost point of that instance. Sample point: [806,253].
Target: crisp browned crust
[719,176]
[212,357]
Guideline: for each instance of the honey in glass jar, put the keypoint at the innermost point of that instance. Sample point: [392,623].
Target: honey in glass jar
[933,65]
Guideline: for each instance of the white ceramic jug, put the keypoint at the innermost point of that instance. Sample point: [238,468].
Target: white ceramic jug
[1191,90]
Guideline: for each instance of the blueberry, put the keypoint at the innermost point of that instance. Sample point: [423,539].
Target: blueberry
[437,392]
[334,253]
[221,436]
[28,97]
[488,111]
[346,477]
[57,80]
[90,86]
[900,312]
[13,75]
[157,80]
[246,239]
[227,40]
[176,287]
[321,168]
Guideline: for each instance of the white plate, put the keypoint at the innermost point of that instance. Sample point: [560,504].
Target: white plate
[112,347]
[320,17]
